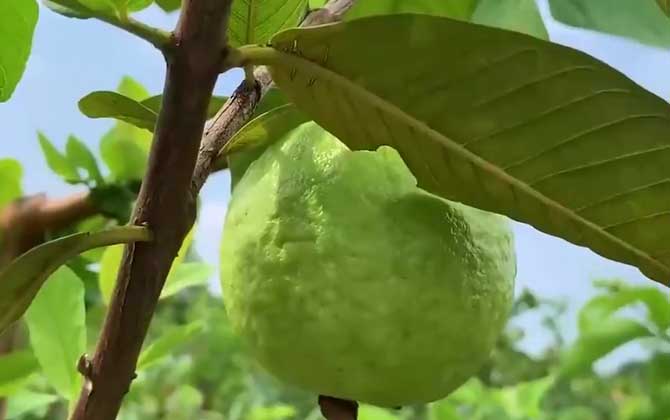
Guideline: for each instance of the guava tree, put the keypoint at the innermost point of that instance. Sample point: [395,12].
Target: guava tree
[484,117]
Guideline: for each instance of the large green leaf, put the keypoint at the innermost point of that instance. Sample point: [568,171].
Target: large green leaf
[638,19]
[514,15]
[498,120]
[57,324]
[17,24]
[22,279]
[11,174]
[457,9]
[15,368]
[104,104]
[255,21]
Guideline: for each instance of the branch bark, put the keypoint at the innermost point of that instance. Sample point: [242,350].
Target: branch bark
[164,204]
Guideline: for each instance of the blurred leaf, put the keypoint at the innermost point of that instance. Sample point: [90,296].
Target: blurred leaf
[598,342]
[186,275]
[456,9]
[57,161]
[315,4]
[509,124]
[640,20]
[168,343]
[111,260]
[114,201]
[275,412]
[21,280]
[665,6]
[252,139]
[80,156]
[15,368]
[169,5]
[443,410]
[524,400]
[57,324]
[369,412]
[514,15]
[106,7]
[29,403]
[137,5]
[11,174]
[255,21]
[17,24]
[105,104]
[184,401]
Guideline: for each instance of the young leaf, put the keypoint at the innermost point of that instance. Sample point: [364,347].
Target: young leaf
[68,8]
[169,5]
[15,368]
[57,324]
[17,24]
[105,7]
[111,260]
[29,403]
[500,121]
[22,279]
[57,161]
[104,104]
[167,344]
[255,21]
[10,174]
[515,15]
[640,20]
[81,157]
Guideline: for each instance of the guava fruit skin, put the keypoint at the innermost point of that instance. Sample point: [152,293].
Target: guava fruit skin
[344,278]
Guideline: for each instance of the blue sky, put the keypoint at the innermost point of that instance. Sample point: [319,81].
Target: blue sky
[72,58]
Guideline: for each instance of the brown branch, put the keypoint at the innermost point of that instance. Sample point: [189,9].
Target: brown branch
[164,204]
[241,105]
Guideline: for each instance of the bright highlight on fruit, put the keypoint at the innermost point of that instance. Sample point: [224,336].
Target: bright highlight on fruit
[346,279]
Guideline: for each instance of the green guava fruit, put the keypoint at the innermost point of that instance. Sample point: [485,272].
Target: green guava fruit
[344,278]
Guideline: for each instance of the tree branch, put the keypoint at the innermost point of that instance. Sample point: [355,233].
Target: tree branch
[239,108]
[164,204]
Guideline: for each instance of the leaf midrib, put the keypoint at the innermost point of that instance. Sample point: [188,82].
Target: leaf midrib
[259,55]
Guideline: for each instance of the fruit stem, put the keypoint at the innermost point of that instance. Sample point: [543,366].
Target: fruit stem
[338,409]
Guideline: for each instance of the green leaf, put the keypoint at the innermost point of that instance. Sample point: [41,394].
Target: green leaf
[105,7]
[665,6]
[80,156]
[456,9]
[524,400]
[168,343]
[510,124]
[22,279]
[11,174]
[255,21]
[598,342]
[15,368]
[17,24]
[169,5]
[137,5]
[273,98]
[29,402]
[105,104]
[57,161]
[57,324]
[368,412]
[111,260]
[640,20]
[186,275]
[68,8]
[252,139]
[154,104]
[514,15]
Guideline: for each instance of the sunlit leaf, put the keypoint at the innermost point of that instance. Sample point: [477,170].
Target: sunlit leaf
[457,9]
[15,368]
[640,20]
[57,324]
[22,279]
[11,174]
[28,402]
[80,156]
[167,344]
[69,8]
[57,161]
[169,5]
[255,21]
[514,15]
[186,275]
[104,104]
[511,124]
[17,24]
